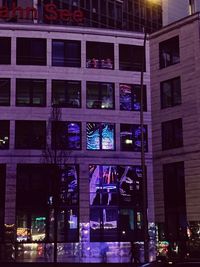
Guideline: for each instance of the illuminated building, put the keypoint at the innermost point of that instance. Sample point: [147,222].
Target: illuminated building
[70,95]
[174,58]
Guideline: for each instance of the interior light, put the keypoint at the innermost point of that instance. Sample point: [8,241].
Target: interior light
[128,141]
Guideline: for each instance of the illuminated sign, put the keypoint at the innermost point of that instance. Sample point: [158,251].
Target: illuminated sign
[50,13]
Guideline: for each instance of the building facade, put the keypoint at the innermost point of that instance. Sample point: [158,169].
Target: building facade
[70,142]
[174,61]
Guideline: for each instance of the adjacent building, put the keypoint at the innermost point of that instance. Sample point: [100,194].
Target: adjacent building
[174,57]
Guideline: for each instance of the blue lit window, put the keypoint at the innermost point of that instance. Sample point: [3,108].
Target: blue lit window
[130,97]
[100,136]
[130,135]
[66,135]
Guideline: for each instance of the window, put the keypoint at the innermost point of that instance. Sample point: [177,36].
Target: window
[37,189]
[30,93]
[66,93]
[130,136]
[174,200]
[4,92]
[130,97]
[172,134]
[171,93]
[66,53]
[100,136]
[31,51]
[99,55]
[5,50]
[2,199]
[100,95]
[115,202]
[169,52]
[30,134]
[4,134]
[66,135]
[130,57]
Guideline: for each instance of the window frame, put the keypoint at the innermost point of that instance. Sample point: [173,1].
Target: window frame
[5,56]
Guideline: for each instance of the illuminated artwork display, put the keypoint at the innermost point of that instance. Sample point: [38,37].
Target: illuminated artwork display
[130,135]
[115,201]
[100,136]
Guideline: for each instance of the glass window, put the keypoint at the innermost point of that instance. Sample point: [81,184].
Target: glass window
[174,200]
[5,50]
[115,202]
[130,135]
[66,53]
[66,93]
[66,135]
[4,92]
[99,55]
[30,134]
[30,92]
[100,95]
[171,93]
[31,51]
[130,97]
[169,52]
[2,199]
[130,57]
[172,134]
[4,134]
[100,136]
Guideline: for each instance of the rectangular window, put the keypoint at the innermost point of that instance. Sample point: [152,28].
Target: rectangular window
[5,50]
[169,52]
[30,92]
[2,199]
[174,200]
[130,137]
[115,201]
[31,51]
[66,53]
[130,57]
[66,94]
[4,134]
[99,55]
[100,95]
[66,135]
[172,134]
[130,97]
[4,92]
[170,92]
[100,136]
[30,134]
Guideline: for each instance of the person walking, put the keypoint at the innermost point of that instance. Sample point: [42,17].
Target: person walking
[135,253]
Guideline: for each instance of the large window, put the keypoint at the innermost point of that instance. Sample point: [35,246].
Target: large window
[130,57]
[2,199]
[130,97]
[31,51]
[115,202]
[4,92]
[172,134]
[66,93]
[5,50]
[30,134]
[130,135]
[100,136]
[66,53]
[169,52]
[39,187]
[99,55]
[4,134]
[174,200]
[31,92]
[171,93]
[66,135]
[100,95]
